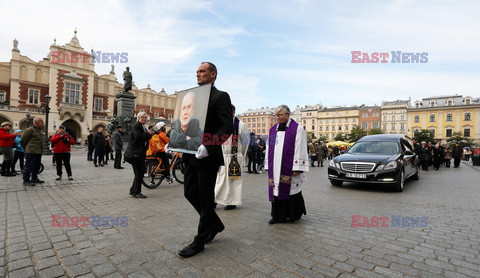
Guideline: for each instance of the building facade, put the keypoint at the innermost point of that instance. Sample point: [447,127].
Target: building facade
[394,116]
[259,121]
[445,115]
[81,100]
[369,117]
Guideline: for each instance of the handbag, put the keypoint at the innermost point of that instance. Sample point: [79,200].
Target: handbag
[129,155]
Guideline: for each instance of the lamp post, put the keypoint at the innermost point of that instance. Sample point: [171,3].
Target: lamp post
[46,149]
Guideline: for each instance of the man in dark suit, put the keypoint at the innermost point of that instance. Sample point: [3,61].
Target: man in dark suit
[201,169]
[139,145]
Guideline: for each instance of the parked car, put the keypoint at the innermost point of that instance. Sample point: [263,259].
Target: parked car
[382,158]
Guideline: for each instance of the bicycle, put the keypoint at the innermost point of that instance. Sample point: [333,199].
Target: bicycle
[154,173]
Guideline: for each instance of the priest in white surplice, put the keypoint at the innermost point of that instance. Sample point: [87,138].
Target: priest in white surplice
[228,188]
[287,161]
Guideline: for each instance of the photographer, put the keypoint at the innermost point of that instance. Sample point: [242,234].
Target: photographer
[61,151]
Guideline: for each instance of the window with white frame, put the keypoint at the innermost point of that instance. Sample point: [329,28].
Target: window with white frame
[384,127]
[449,117]
[432,118]
[375,125]
[416,119]
[375,114]
[393,118]
[155,115]
[364,125]
[72,93]
[402,126]
[402,117]
[98,105]
[467,116]
[3,96]
[33,96]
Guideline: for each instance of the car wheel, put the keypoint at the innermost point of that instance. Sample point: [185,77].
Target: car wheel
[400,181]
[415,176]
[336,182]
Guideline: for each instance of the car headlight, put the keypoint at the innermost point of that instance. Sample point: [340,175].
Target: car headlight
[391,165]
[332,163]
[380,167]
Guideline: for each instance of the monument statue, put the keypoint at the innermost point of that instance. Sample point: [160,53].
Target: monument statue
[127,77]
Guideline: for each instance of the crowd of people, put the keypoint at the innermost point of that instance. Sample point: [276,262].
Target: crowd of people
[436,154]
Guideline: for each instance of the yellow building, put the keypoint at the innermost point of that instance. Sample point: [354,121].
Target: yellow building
[445,115]
[81,99]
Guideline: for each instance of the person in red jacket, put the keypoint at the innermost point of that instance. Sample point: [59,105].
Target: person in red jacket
[6,147]
[61,151]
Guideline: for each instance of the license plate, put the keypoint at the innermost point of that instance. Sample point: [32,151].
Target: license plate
[355,175]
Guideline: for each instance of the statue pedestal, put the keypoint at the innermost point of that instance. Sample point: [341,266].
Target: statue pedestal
[126,113]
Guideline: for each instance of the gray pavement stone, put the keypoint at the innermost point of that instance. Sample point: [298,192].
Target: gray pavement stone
[22,273]
[78,270]
[54,271]
[46,262]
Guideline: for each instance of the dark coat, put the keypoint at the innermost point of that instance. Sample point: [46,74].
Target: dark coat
[218,128]
[90,141]
[139,141]
[99,140]
[118,140]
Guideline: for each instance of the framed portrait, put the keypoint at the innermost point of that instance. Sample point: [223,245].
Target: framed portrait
[189,118]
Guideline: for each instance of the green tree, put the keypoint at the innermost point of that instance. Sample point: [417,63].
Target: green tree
[458,138]
[423,135]
[339,137]
[375,131]
[356,133]
[311,136]
[322,138]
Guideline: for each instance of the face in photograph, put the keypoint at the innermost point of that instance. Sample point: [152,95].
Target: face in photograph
[187,109]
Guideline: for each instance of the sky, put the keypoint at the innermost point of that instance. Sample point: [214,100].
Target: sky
[270,52]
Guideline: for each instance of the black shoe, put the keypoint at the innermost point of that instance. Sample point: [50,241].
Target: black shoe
[8,174]
[37,181]
[212,236]
[191,250]
[274,221]
[120,168]
[95,164]
[140,195]
[250,172]
[101,165]
[28,183]
[229,207]
[255,172]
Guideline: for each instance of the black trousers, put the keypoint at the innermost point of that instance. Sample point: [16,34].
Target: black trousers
[62,158]
[138,170]
[456,161]
[90,154]
[447,163]
[18,156]
[32,165]
[99,155]
[118,158]
[199,189]
[252,163]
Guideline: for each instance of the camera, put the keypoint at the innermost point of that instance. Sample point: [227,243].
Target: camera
[66,138]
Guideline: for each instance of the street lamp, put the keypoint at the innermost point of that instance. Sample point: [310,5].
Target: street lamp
[46,149]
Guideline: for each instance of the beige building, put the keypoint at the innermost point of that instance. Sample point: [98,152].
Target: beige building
[394,116]
[259,121]
[80,98]
[329,122]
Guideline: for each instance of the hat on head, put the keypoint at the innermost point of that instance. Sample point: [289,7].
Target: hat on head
[62,127]
[119,126]
[159,125]
[6,123]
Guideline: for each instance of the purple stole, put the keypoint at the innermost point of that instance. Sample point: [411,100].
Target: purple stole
[286,169]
